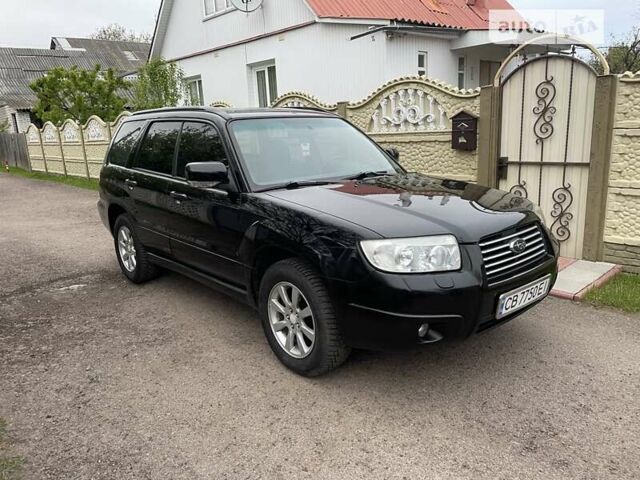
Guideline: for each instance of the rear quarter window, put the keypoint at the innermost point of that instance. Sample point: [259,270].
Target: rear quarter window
[125,143]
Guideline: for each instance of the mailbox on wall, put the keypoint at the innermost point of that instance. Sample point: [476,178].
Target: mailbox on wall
[464,135]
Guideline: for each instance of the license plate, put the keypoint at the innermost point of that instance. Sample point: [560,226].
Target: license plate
[519,298]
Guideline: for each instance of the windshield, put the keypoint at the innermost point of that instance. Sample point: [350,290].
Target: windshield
[279,151]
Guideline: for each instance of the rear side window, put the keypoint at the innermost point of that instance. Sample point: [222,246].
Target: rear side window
[158,147]
[199,142]
[125,143]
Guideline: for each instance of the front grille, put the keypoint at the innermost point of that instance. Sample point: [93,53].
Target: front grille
[501,263]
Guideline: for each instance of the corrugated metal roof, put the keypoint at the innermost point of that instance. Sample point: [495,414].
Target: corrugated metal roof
[440,13]
[19,67]
[118,53]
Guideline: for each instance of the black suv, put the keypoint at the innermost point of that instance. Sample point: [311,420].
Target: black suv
[303,216]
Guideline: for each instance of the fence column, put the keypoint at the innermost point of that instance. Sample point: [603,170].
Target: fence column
[44,157]
[341,109]
[84,150]
[599,161]
[489,135]
[64,165]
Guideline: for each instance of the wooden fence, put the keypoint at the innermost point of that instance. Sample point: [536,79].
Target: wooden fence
[13,150]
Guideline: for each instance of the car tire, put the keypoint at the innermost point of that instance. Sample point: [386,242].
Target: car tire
[133,258]
[285,322]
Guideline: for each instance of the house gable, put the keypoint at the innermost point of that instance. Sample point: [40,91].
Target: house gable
[227,28]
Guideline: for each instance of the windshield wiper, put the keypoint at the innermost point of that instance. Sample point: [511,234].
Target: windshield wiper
[299,184]
[309,183]
[363,175]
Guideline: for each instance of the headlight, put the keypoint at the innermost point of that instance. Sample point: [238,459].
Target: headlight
[538,211]
[413,255]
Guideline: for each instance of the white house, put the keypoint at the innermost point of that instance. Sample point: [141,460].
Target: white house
[335,50]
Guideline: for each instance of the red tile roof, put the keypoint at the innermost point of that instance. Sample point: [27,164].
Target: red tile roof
[441,13]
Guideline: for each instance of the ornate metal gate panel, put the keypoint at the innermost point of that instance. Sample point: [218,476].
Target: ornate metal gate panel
[545,141]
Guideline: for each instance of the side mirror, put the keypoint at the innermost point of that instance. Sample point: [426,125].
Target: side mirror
[206,174]
[393,153]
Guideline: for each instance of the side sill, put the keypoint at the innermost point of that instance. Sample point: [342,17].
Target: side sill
[207,280]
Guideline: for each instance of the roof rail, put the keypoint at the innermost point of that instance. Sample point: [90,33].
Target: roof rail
[174,109]
[314,109]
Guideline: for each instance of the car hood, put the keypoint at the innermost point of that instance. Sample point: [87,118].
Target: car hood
[410,205]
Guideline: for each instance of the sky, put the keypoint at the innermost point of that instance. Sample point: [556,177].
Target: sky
[32,23]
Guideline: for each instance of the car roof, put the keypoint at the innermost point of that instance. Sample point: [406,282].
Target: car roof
[230,113]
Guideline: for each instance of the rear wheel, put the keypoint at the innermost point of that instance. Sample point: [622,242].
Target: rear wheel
[132,256]
[299,319]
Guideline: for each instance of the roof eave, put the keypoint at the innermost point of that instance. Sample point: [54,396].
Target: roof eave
[164,12]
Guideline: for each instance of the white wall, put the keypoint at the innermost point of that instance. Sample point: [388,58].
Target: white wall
[188,32]
[22,118]
[319,58]
[322,60]
[402,57]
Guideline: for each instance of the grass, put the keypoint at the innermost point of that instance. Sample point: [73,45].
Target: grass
[10,467]
[623,292]
[49,177]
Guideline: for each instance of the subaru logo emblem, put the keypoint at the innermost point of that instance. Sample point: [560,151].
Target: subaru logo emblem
[518,245]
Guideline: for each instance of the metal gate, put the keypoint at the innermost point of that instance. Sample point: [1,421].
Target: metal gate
[545,141]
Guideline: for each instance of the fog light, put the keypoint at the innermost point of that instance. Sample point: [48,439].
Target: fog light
[423,330]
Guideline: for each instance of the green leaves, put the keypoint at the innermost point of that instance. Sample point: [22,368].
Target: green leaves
[160,84]
[623,55]
[77,94]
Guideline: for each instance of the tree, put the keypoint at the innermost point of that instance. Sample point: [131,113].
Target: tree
[159,84]
[623,55]
[77,94]
[117,32]
[4,126]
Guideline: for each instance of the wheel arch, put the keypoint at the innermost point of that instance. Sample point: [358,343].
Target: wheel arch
[264,245]
[113,212]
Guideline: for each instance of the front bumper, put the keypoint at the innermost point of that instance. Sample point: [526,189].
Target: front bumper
[386,310]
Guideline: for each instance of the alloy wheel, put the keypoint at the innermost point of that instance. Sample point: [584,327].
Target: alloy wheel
[127,249]
[291,320]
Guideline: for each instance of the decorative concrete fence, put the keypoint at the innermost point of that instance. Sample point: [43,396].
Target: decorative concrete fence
[414,115]
[71,149]
[622,224]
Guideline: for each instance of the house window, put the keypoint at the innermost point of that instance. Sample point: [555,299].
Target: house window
[214,7]
[194,92]
[423,62]
[461,69]
[266,85]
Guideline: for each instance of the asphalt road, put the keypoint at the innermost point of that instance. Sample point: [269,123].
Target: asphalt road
[101,379]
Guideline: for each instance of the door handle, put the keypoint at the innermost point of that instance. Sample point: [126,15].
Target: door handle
[130,183]
[178,196]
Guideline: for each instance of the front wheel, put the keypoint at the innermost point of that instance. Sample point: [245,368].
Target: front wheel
[299,320]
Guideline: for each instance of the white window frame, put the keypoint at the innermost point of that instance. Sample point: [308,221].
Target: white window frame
[197,80]
[423,71]
[254,73]
[462,71]
[216,13]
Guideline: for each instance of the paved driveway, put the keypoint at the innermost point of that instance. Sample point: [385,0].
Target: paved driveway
[105,380]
